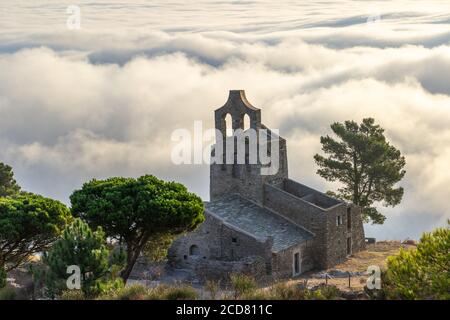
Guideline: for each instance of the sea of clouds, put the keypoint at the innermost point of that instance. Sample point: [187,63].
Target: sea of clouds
[103,100]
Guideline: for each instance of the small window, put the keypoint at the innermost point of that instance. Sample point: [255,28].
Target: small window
[185,257]
[296,263]
[193,250]
[349,218]
[338,220]
[234,240]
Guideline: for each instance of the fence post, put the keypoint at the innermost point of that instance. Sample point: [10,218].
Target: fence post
[349,280]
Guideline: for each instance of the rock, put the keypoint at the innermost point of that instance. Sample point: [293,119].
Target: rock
[410,242]
[336,273]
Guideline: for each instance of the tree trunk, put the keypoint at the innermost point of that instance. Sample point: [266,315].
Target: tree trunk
[133,253]
[131,260]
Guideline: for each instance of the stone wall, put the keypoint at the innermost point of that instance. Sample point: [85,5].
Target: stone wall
[245,179]
[308,194]
[283,261]
[338,236]
[290,199]
[253,266]
[357,229]
[303,214]
[215,240]
[336,249]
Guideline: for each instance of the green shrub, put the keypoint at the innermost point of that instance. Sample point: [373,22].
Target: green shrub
[133,292]
[161,292]
[421,273]
[165,292]
[326,292]
[285,291]
[242,285]
[72,295]
[7,293]
[181,293]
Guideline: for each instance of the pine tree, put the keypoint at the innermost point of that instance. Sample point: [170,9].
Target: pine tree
[82,247]
[8,186]
[134,211]
[366,164]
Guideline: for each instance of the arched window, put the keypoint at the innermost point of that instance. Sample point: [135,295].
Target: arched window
[229,125]
[193,250]
[246,122]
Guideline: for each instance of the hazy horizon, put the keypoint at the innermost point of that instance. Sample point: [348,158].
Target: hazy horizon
[103,100]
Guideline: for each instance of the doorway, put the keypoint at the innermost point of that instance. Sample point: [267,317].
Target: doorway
[349,246]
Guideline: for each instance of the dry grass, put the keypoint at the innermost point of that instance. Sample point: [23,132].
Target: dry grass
[375,254]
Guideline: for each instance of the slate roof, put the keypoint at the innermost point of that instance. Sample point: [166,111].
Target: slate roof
[257,221]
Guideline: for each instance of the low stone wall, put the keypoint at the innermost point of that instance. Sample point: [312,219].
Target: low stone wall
[219,270]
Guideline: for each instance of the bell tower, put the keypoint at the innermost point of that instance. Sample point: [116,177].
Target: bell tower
[240,168]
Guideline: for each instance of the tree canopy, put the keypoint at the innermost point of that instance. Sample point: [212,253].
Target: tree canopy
[366,164]
[135,210]
[29,224]
[8,186]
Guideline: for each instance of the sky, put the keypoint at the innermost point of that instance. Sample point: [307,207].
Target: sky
[102,100]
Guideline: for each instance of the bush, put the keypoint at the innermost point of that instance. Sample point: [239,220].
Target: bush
[161,292]
[421,273]
[72,295]
[213,288]
[7,293]
[326,292]
[133,292]
[165,292]
[285,291]
[242,285]
[181,293]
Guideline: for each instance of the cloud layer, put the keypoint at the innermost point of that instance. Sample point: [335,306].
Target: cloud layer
[104,100]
